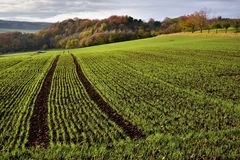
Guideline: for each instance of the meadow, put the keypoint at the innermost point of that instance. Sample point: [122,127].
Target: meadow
[169,97]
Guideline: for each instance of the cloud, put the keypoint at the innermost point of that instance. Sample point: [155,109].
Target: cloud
[57,10]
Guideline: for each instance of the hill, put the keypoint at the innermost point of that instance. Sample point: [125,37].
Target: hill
[5,30]
[74,33]
[21,25]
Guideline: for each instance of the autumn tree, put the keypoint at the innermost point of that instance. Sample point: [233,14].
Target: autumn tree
[191,23]
[183,23]
[170,26]
[72,43]
[194,21]
[201,19]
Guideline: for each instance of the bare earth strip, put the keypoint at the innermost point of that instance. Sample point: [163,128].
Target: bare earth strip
[130,130]
[39,131]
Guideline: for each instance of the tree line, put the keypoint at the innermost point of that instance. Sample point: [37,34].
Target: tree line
[76,33]
[198,21]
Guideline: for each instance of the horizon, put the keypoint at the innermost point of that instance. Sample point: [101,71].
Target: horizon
[145,20]
[55,11]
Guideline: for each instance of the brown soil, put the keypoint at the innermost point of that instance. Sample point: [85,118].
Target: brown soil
[38,133]
[130,130]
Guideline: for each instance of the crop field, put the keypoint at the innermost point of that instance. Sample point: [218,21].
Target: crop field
[75,118]
[20,80]
[173,97]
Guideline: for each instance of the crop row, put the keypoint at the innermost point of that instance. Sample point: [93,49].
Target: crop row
[19,86]
[207,72]
[153,104]
[72,116]
[7,63]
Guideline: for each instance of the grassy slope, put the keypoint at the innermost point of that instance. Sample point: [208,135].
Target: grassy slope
[204,51]
[209,144]
[173,41]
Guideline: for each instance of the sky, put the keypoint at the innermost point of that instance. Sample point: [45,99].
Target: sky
[58,10]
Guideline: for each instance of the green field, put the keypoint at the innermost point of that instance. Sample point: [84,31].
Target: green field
[182,92]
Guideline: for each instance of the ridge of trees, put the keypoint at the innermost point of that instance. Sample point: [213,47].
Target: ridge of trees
[76,33]
[197,21]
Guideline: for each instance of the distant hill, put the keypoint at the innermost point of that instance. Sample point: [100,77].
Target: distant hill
[4,30]
[22,26]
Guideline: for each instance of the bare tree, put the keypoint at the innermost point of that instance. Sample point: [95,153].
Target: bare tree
[201,19]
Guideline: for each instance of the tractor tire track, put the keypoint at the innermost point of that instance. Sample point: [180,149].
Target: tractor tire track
[38,134]
[129,129]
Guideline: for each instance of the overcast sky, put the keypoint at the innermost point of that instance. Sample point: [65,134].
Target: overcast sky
[58,10]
